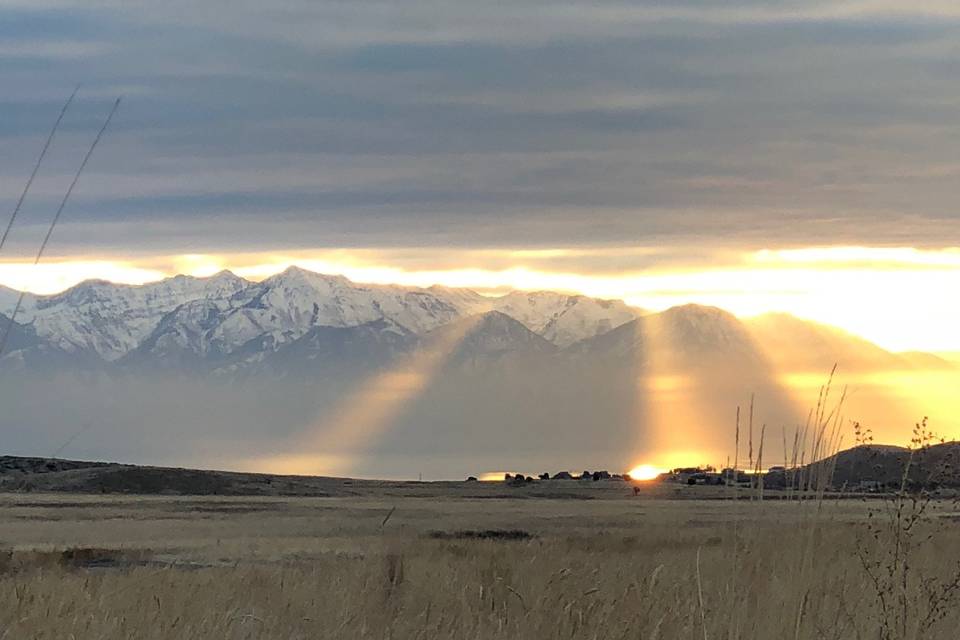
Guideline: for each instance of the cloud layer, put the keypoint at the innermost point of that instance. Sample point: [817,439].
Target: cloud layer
[338,124]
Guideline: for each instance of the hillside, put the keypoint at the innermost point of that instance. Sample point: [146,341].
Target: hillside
[937,465]
[863,467]
[23,474]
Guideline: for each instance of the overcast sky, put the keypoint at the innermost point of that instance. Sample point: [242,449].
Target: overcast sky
[690,140]
[302,124]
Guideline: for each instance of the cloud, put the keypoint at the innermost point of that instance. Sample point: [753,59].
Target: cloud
[58,49]
[450,124]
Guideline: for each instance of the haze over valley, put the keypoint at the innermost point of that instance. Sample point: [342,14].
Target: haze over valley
[314,374]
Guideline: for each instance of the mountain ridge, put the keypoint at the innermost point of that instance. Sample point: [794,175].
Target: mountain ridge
[224,322]
[114,320]
[292,363]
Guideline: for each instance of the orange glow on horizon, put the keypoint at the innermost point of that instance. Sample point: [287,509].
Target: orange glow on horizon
[891,296]
[494,476]
[645,472]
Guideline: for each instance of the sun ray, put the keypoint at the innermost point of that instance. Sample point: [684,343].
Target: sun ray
[688,393]
[336,439]
[671,419]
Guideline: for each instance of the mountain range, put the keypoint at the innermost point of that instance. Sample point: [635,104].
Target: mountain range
[224,321]
[225,324]
[221,370]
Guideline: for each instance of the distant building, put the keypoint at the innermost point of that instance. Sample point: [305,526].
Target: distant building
[735,476]
[695,475]
[775,478]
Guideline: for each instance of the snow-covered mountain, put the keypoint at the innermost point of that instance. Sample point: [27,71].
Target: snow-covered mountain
[186,319]
[300,321]
[296,300]
[180,364]
[287,306]
[565,319]
[109,319]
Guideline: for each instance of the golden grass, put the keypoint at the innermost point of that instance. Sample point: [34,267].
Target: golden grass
[326,568]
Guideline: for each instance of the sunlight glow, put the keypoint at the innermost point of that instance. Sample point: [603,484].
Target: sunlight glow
[890,402]
[199,265]
[340,435]
[645,472]
[54,277]
[877,256]
[894,296]
[495,476]
[671,408]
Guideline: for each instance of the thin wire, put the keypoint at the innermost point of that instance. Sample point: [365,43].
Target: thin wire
[70,440]
[56,219]
[36,167]
[76,178]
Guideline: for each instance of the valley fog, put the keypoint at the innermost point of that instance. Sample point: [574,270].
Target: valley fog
[306,373]
[467,418]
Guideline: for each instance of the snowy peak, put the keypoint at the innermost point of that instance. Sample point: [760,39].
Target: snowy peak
[164,294]
[303,299]
[286,307]
[208,321]
[221,284]
[182,336]
[109,320]
[467,301]
[25,351]
[222,313]
[565,319]
[298,320]
[298,279]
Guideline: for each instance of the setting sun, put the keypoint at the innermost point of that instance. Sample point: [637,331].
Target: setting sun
[644,472]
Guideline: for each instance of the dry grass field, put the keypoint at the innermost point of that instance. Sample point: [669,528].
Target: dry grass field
[449,566]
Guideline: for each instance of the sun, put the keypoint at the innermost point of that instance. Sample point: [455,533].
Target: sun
[644,472]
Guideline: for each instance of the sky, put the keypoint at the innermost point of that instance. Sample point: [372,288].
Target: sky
[760,156]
